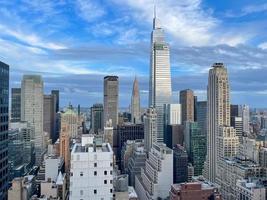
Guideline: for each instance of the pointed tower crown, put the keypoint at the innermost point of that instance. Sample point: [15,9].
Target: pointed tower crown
[135,87]
[156,22]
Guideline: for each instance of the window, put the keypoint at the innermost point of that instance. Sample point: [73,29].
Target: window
[111,164]
[95,173]
[81,192]
[95,164]
[110,181]
[105,172]
[81,173]
[95,191]
[105,181]
[111,172]
[111,191]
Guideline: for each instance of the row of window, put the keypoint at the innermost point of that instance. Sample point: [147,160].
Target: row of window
[95,173]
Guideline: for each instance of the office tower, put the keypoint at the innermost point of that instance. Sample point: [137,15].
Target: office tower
[174,135]
[235,111]
[91,170]
[127,132]
[202,116]
[64,148]
[4,88]
[196,146]
[70,118]
[97,118]
[32,110]
[79,110]
[15,104]
[160,90]
[246,117]
[172,114]
[195,108]
[56,93]
[111,99]
[135,104]
[180,164]
[150,128]
[218,114]
[187,102]
[194,191]
[237,123]
[50,116]
[264,122]
[156,178]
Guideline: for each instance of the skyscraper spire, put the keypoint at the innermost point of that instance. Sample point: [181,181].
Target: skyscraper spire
[135,103]
[156,22]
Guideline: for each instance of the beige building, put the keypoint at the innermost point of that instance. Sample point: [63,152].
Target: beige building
[70,118]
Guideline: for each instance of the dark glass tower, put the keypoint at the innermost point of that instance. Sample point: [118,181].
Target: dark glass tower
[4,92]
[15,104]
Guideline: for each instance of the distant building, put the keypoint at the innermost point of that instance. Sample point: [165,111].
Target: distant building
[56,93]
[174,135]
[15,104]
[187,103]
[201,112]
[70,118]
[4,97]
[155,179]
[32,111]
[237,123]
[180,164]
[194,191]
[50,116]
[135,104]
[64,148]
[97,118]
[111,99]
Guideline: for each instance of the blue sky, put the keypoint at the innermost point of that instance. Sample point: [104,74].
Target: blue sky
[75,43]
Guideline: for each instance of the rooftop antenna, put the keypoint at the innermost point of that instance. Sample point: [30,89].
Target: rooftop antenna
[155,9]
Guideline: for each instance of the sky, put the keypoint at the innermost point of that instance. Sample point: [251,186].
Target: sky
[73,44]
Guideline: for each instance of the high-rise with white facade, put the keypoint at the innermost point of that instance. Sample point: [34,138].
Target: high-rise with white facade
[244,109]
[156,177]
[172,114]
[32,110]
[150,128]
[111,99]
[135,104]
[91,173]
[218,114]
[160,90]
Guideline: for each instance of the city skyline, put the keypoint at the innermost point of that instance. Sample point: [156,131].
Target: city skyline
[62,55]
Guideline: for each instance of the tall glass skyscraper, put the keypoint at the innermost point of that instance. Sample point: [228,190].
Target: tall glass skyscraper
[160,74]
[4,92]
[15,104]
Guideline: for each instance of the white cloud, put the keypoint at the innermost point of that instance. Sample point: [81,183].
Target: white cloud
[89,10]
[263,45]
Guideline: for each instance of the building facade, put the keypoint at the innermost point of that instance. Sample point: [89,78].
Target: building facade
[91,170]
[4,99]
[15,104]
[218,114]
[32,110]
[160,90]
[135,104]
[150,128]
[180,164]
[111,99]
[187,102]
[97,118]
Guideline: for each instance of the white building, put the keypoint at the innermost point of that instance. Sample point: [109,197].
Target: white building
[160,90]
[244,109]
[91,173]
[250,190]
[150,128]
[250,148]
[32,110]
[53,164]
[218,115]
[156,178]
[172,114]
